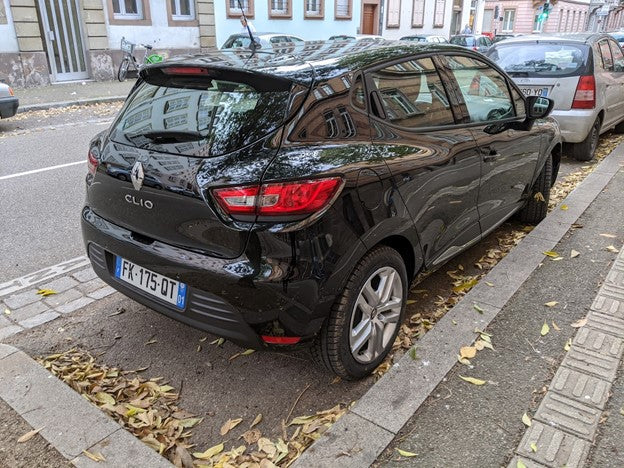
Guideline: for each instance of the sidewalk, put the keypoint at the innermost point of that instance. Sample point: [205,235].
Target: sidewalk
[74,93]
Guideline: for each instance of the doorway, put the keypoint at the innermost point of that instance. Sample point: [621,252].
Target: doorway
[369,13]
[62,28]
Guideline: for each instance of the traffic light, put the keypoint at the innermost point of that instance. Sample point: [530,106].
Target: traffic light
[545,12]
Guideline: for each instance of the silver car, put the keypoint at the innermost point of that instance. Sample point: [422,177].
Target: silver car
[265,40]
[8,102]
[582,73]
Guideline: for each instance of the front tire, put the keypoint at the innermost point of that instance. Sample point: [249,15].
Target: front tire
[122,73]
[584,151]
[366,317]
[536,207]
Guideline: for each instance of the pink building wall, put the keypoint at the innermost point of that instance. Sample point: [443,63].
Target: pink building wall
[565,16]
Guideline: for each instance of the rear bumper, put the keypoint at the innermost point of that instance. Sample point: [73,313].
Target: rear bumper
[575,124]
[225,297]
[8,107]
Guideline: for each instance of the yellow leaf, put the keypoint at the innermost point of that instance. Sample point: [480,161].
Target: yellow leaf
[266,446]
[152,341]
[472,380]
[567,345]
[491,285]
[477,308]
[611,248]
[132,410]
[46,292]
[218,341]
[190,422]
[165,388]
[555,326]
[579,323]
[405,453]
[545,329]
[485,344]
[257,420]
[520,464]
[7,312]
[29,435]
[551,304]
[95,456]
[199,348]
[564,207]
[247,352]
[610,236]
[468,352]
[410,301]
[534,447]
[526,420]
[463,361]
[465,285]
[203,338]
[229,425]
[479,345]
[551,254]
[574,253]
[208,454]
[105,398]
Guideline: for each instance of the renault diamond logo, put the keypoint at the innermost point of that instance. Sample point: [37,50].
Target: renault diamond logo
[137,175]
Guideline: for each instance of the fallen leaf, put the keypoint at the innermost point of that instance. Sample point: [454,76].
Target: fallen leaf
[491,285]
[199,348]
[202,339]
[610,236]
[7,312]
[95,456]
[463,361]
[551,254]
[266,446]
[208,454]
[150,342]
[611,248]
[468,352]
[46,292]
[218,341]
[257,420]
[574,253]
[229,425]
[419,291]
[477,308]
[252,436]
[405,453]
[465,285]
[484,344]
[555,326]
[412,353]
[564,207]
[520,464]
[545,329]
[247,352]
[539,197]
[190,422]
[551,304]
[567,345]
[534,447]
[622,411]
[410,301]
[472,380]
[105,398]
[579,323]
[526,420]
[119,311]
[29,435]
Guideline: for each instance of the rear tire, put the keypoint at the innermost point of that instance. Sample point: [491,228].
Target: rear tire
[584,151]
[536,207]
[342,345]
[122,73]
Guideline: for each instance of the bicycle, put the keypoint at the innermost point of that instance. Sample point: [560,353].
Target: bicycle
[130,60]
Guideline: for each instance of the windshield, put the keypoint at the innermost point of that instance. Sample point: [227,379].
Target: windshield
[540,59]
[465,41]
[242,41]
[218,119]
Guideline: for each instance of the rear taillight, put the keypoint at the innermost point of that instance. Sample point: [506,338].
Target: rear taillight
[92,163]
[302,197]
[185,71]
[585,95]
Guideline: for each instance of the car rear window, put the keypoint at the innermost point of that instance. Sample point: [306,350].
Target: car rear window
[241,41]
[215,118]
[465,41]
[541,59]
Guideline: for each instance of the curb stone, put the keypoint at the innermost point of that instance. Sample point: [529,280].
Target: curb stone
[391,401]
[78,102]
[69,422]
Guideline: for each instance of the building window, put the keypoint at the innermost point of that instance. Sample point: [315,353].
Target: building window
[234,11]
[342,9]
[573,28]
[438,15]
[280,9]
[509,17]
[538,24]
[418,13]
[314,9]
[128,9]
[183,10]
[561,12]
[393,19]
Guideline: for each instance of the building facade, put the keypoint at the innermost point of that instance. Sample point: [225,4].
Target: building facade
[606,15]
[412,17]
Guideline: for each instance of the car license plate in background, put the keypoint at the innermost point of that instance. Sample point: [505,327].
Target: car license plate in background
[160,286]
[534,91]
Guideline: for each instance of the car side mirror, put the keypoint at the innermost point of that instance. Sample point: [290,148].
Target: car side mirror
[538,107]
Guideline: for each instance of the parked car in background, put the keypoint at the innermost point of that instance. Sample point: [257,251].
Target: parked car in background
[619,36]
[8,102]
[582,73]
[299,197]
[478,42]
[502,37]
[357,37]
[265,40]
[426,38]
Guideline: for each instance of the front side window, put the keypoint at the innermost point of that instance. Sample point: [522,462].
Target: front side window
[483,89]
[509,17]
[182,10]
[342,9]
[128,9]
[413,94]
[313,8]
[280,8]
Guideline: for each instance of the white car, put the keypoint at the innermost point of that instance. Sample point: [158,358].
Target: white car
[266,40]
[582,73]
[426,38]
[8,102]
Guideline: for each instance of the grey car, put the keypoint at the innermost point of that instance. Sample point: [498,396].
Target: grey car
[8,102]
[582,73]
[266,40]
[436,38]
[478,42]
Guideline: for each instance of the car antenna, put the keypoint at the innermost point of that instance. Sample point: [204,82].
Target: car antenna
[253,46]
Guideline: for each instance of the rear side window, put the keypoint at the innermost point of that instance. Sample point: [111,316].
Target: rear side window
[483,89]
[532,59]
[413,95]
[618,57]
[235,42]
[464,41]
[605,52]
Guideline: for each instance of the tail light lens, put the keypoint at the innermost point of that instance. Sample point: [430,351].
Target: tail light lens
[281,340]
[92,162]
[295,198]
[585,95]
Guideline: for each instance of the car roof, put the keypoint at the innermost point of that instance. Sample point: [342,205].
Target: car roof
[582,38]
[308,60]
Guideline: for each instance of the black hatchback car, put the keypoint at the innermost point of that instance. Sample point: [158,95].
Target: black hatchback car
[293,197]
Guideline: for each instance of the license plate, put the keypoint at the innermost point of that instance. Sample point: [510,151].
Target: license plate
[171,291]
[543,92]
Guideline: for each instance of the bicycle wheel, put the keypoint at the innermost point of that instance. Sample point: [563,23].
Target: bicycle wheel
[123,69]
